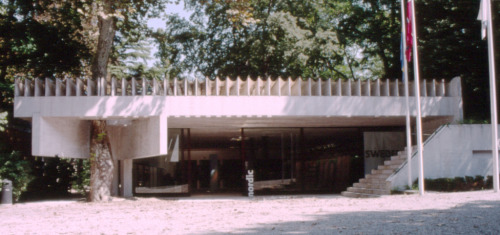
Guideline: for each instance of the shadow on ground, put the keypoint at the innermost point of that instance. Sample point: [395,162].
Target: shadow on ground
[481,217]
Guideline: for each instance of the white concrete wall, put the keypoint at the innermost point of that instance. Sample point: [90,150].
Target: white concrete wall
[453,151]
[126,176]
[70,138]
[262,97]
[115,107]
[115,184]
[379,146]
[64,137]
[145,137]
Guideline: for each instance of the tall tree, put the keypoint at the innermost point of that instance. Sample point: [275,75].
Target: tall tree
[128,18]
[101,160]
[61,37]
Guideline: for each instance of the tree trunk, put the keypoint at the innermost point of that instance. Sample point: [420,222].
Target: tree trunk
[105,41]
[101,168]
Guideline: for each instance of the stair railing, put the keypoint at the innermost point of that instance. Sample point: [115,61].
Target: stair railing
[414,153]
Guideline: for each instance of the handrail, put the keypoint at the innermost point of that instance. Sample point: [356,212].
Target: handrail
[414,153]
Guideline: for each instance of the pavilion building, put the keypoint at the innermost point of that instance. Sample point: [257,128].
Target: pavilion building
[262,136]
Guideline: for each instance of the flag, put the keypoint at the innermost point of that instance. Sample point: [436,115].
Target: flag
[483,17]
[409,32]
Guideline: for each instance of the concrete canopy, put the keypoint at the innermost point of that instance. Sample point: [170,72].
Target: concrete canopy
[139,113]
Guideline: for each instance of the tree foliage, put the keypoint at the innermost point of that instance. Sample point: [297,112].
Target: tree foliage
[450,45]
[41,38]
[374,26]
[260,38]
[14,167]
[53,177]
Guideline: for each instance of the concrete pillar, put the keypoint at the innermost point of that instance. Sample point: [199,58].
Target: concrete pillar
[197,176]
[302,157]
[116,179]
[126,172]
[152,177]
[124,87]
[214,172]
[189,170]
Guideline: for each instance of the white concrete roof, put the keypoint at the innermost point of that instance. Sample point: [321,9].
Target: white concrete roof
[244,102]
[60,108]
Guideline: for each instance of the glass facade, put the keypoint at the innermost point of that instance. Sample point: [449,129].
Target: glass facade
[281,160]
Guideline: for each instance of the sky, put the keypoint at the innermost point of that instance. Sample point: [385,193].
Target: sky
[171,9]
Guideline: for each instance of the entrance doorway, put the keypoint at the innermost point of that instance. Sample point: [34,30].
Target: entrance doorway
[284,161]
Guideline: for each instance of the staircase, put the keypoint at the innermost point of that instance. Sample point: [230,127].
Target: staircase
[375,184]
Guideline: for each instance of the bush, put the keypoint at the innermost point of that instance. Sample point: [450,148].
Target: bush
[13,167]
[52,178]
[55,177]
[478,182]
[467,183]
[81,175]
[489,182]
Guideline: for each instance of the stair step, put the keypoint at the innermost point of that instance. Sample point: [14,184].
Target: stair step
[394,162]
[376,184]
[413,148]
[403,153]
[385,172]
[398,157]
[377,176]
[369,191]
[374,181]
[358,195]
[372,185]
[388,167]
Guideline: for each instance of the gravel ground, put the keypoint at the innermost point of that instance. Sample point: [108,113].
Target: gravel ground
[433,213]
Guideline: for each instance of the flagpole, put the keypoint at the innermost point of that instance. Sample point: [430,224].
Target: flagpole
[407,99]
[420,148]
[493,97]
